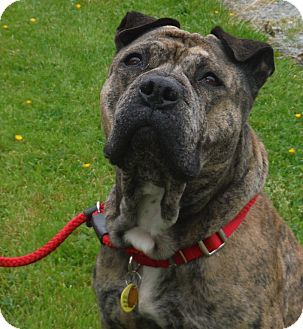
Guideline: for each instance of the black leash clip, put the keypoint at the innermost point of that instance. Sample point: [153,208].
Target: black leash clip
[97,220]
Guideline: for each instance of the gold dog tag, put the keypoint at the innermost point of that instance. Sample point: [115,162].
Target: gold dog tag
[129,298]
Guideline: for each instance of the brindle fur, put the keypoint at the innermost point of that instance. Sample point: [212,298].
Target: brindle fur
[210,163]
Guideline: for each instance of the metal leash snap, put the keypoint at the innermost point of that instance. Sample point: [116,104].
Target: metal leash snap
[97,219]
[98,206]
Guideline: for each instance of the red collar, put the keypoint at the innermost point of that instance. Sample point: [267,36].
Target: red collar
[206,247]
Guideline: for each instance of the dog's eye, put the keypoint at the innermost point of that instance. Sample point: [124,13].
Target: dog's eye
[133,60]
[211,79]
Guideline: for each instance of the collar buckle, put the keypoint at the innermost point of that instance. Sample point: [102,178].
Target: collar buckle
[172,262]
[204,249]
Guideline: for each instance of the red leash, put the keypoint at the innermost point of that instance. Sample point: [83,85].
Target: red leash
[95,217]
[49,247]
[55,242]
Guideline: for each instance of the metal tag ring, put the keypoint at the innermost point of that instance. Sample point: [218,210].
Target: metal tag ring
[132,277]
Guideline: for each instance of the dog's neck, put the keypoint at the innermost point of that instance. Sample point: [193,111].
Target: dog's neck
[215,207]
[210,201]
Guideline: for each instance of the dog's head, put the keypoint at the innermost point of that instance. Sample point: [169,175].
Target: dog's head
[176,101]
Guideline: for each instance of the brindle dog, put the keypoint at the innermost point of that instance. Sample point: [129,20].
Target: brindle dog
[175,108]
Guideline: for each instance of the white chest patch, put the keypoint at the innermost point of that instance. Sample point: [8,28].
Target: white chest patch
[149,211]
[148,303]
[149,224]
[149,220]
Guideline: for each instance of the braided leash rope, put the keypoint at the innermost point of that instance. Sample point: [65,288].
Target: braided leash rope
[95,217]
[48,248]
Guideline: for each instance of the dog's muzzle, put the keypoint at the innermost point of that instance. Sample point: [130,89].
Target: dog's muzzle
[157,106]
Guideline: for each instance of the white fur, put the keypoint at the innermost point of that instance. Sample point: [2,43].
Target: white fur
[150,222]
[140,239]
[149,212]
[147,303]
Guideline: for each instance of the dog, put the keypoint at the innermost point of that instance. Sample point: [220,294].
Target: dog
[175,111]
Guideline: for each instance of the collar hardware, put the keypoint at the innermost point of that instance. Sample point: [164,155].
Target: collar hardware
[183,256]
[208,253]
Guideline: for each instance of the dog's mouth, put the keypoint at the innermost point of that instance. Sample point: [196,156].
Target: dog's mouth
[140,135]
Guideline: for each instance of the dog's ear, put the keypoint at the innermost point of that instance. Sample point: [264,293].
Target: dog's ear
[259,56]
[134,24]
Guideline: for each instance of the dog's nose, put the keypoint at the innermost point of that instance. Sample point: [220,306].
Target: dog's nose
[159,91]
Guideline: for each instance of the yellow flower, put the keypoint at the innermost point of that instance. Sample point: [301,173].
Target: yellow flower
[231,14]
[18,138]
[5,26]
[29,102]
[33,20]
[86,165]
[292,151]
[216,11]
[298,115]
[77,5]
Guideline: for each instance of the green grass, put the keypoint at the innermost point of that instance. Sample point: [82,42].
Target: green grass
[60,63]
